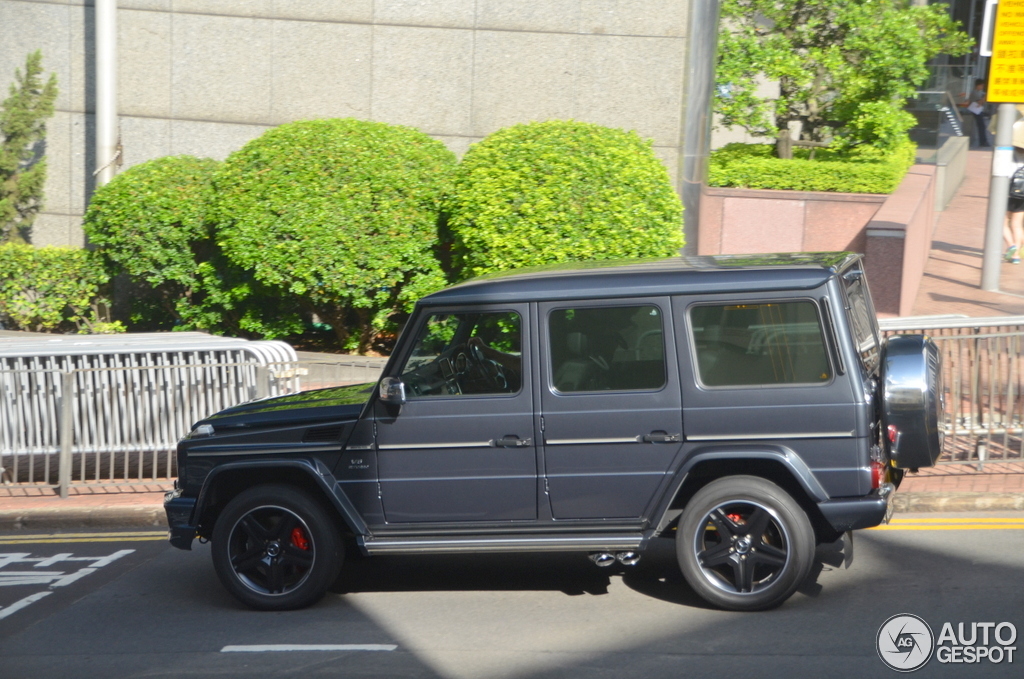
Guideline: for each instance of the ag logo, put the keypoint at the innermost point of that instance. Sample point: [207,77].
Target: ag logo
[905,642]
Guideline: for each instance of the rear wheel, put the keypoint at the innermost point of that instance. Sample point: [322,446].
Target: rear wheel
[275,548]
[744,544]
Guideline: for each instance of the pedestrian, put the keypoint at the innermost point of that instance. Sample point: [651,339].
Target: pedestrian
[977,105]
[1013,224]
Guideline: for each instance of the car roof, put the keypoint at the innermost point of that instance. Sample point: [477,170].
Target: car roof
[638,278]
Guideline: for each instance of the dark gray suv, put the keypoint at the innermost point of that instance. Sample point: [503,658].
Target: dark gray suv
[746,404]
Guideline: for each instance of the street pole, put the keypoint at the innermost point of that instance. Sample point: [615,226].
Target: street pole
[106,91]
[998,192]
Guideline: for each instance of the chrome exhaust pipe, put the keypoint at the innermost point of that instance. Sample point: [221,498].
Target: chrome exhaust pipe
[628,558]
[603,559]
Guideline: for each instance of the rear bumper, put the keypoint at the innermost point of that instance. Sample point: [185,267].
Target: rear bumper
[179,518]
[847,513]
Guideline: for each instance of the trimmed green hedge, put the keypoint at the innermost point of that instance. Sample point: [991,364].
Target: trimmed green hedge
[149,222]
[558,191]
[338,215]
[864,170]
[52,290]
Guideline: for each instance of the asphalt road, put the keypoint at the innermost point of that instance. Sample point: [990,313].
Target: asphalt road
[128,605]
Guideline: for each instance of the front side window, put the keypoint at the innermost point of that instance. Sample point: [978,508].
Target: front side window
[759,344]
[607,349]
[466,353]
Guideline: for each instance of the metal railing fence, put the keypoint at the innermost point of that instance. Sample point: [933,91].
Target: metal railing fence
[111,425]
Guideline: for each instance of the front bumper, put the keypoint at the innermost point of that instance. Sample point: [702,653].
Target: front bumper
[847,513]
[179,518]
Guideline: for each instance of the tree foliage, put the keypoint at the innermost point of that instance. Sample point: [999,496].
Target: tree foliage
[22,142]
[341,215]
[558,191]
[844,69]
[52,290]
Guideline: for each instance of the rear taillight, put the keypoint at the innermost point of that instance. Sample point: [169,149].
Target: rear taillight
[877,473]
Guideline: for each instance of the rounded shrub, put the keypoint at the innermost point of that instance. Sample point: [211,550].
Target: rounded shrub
[340,213]
[149,222]
[558,191]
[147,219]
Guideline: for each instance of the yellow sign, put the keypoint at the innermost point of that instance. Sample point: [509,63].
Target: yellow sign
[1006,72]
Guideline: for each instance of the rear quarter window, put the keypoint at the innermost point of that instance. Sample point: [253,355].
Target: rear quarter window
[759,344]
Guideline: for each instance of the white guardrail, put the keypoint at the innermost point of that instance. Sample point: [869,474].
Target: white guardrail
[132,397]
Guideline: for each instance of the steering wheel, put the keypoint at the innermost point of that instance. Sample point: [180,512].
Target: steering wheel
[492,371]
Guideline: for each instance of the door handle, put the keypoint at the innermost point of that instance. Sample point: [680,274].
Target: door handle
[512,442]
[662,437]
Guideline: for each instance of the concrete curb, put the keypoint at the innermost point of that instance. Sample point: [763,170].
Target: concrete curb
[958,502]
[66,518]
[152,516]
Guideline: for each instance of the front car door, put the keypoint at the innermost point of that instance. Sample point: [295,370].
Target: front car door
[461,448]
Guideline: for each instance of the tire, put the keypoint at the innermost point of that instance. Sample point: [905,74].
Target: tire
[276,548]
[744,544]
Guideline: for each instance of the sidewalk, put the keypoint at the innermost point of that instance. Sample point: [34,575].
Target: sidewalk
[950,286]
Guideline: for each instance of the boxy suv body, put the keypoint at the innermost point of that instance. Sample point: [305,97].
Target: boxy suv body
[747,404]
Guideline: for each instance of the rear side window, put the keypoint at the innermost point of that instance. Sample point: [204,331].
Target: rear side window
[607,349]
[862,319]
[759,344]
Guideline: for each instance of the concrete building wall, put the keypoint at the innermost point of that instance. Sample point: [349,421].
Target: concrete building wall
[202,77]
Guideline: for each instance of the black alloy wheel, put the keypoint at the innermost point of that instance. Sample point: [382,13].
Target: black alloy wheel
[744,544]
[275,548]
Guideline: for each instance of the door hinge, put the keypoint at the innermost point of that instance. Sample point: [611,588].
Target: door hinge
[542,423]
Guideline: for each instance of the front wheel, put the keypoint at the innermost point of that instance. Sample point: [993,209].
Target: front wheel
[744,544]
[275,548]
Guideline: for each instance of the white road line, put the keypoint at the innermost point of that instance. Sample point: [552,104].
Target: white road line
[18,605]
[307,647]
[52,578]
[45,563]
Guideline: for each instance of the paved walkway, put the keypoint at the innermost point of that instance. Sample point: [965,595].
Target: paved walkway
[952,277]
[950,285]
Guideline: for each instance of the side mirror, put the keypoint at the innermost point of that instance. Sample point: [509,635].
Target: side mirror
[392,391]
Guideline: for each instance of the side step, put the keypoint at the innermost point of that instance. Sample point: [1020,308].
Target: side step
[493,543]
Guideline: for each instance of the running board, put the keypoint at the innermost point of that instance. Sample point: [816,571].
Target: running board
[471,544]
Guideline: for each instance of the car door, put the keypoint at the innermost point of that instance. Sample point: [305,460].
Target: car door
[461,448]
[762,370]
[610,405]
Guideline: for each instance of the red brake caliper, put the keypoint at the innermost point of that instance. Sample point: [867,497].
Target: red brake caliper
[299,539]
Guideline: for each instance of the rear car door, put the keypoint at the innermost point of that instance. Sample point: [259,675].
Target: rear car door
[610,405]
[763,370]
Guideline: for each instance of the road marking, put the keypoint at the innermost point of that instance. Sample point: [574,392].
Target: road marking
[59,538]
[957,527]
[12,578]
[953,524]
[18,605]
[959,520]
[265,648]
